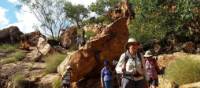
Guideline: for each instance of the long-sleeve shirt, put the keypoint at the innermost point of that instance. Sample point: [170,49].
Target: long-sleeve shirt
[132,65]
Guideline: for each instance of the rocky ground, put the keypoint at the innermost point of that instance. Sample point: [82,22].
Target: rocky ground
[35,76]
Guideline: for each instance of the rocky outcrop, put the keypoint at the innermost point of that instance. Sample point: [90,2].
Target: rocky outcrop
[10,35]
[41,49]
[108,44]
[31,72]
[48,81]
[29,40]
[68,37]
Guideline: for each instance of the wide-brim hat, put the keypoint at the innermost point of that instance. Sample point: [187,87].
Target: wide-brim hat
[130,42]
[148,54]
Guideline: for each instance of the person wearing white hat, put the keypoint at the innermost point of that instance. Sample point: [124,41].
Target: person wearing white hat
[130,65]
[152,69]
[66,78]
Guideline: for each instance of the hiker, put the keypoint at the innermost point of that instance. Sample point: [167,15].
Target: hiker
[66,78]
[152,69]
[106,75]
[131,66]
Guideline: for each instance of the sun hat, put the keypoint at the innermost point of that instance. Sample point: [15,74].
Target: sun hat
[148,54]
[131,41]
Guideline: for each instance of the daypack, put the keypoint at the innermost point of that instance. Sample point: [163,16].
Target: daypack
[139,56]
[140,59]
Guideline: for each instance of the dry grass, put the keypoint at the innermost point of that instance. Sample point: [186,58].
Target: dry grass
[52,62]
[184,70]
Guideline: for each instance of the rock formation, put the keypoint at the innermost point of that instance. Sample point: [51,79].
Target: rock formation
[29,40]
[10,35]
[108,44]
[41,49]
[68,37]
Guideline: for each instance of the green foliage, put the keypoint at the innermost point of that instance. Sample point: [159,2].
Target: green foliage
[102,6]
[154,18]
[8,47]
[52,61]
[18,81]
[76,13]
[50,14]
[89,34]
[184,70]
[19,55]
[57,83]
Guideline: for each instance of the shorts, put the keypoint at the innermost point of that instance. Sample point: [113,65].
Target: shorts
[153,82]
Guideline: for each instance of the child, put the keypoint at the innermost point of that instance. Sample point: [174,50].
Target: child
[106,76]
[66,83]
[152,69]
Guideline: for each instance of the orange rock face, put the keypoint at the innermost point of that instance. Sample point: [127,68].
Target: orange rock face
[109,44]
[68,37]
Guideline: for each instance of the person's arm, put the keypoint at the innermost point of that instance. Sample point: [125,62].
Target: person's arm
[142,65]
[102,76]
[120,64]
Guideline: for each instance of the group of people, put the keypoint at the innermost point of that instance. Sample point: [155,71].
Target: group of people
[135,69]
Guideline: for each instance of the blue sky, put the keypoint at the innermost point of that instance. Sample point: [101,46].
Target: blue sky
[10,15]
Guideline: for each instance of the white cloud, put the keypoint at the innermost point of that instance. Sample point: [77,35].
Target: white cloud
[25,20]
[14,1]
[3,20]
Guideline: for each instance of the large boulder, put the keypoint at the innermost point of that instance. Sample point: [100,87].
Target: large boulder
[42,48]
[10,35]
[108,44]
[68,37]
[29,40]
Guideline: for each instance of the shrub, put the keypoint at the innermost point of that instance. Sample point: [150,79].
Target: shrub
[89,34]
[18,81]
[19,55]
[8,60]
[8,47]
[183,71]
[57,83]
[52,61]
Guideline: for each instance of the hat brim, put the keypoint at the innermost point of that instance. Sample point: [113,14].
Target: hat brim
[147,55]
[130,43]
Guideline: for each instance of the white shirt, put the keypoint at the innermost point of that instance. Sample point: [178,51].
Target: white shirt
[132,65]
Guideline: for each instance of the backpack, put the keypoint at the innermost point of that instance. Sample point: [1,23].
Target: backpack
[139,56]
[140,59]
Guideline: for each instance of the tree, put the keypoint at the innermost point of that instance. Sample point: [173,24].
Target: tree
[154,18]
[101,7]
[76,14]
[50,14]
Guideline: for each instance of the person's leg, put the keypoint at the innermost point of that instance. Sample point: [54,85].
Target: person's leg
[127,83]
[108,84]
[140,84]
[154,83]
